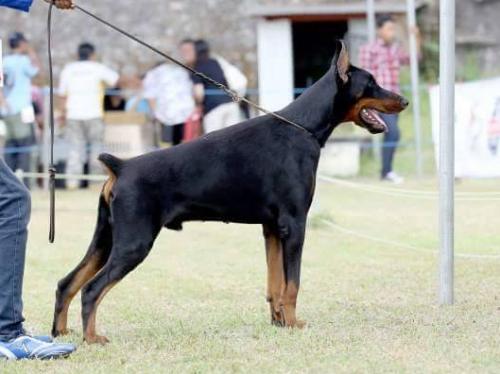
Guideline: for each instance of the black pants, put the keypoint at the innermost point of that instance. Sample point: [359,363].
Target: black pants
[172,134]
[18,155]
[391,140]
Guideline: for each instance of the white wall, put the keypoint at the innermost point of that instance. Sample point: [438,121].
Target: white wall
[275,61]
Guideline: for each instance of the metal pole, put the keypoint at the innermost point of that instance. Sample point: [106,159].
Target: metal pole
[447,150]
[415,84]
[370,15]
[372,35]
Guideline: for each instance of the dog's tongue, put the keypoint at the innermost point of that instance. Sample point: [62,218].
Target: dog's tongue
[377,117]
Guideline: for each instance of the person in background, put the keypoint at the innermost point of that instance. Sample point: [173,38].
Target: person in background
[384,58]
[15,208]
[20,67]
[218,109]
[137,102]
[187,51]
[169,90]
[82,94]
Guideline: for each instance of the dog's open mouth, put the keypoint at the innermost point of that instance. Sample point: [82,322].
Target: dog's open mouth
[372,120]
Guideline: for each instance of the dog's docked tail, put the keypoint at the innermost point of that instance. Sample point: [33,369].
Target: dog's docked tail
[113,165]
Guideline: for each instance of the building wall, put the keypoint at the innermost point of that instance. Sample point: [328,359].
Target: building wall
[225,23]
[163,23]
[478,35]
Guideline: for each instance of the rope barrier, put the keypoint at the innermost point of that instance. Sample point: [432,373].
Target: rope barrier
[91,178]
[400,245]
[415,194]
[101,178]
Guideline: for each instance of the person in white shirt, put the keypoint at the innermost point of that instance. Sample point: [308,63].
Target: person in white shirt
[82,87]
[169,90]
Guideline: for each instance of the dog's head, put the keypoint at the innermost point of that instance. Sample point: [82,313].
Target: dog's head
[362,95]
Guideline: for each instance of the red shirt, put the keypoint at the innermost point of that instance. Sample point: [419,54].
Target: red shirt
[384,62]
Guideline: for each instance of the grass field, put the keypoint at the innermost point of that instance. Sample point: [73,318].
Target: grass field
[198,302]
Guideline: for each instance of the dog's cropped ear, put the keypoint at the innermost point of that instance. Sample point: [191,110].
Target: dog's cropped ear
[342,61]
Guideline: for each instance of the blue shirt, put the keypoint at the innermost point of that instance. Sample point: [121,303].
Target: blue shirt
[17,4]
[18,71]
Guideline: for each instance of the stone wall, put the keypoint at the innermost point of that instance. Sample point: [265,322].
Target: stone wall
[163,23]
[225,23]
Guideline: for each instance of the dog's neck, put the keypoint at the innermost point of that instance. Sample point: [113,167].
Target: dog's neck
[315,108]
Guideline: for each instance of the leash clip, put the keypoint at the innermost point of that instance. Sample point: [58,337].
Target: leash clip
[234,95]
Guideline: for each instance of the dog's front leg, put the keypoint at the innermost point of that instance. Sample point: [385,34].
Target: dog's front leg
[292,238]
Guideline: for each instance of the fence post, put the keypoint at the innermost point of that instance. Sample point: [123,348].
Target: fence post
[372,35]
[415,84]
[446,150]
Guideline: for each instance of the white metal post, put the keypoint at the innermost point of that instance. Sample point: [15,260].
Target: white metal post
[415,83]
[372,34]
[370,16]
[447,150]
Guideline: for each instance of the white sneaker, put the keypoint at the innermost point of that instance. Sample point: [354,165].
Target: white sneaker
[393,178]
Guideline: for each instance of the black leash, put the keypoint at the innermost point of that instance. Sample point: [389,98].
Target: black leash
[52,168]
[233,94]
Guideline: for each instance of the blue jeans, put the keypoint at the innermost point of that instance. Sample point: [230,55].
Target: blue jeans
[391,140]
[15,209]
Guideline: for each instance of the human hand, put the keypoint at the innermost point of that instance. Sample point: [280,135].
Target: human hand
[62,4]
[415,31]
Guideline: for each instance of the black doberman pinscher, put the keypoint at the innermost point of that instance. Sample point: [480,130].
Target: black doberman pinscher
[261,171]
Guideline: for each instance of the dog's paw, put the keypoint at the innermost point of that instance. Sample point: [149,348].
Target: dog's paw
[62,332]
[97,339]
[277,318]
[299,324]
[296,324]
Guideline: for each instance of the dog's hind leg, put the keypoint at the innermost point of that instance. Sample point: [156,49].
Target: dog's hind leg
[131,245]
[94,260]
[292,233]
[275,274]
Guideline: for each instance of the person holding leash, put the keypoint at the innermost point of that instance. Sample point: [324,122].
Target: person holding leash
[15,209]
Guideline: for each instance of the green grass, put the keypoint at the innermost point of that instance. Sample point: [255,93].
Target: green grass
[197,304]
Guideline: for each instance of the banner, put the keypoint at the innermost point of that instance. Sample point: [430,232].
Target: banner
[477,128]
[1,64]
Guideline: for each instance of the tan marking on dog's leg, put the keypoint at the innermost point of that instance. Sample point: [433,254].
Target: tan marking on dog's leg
[289,305]
[90,335]
[275,277]
[83,275]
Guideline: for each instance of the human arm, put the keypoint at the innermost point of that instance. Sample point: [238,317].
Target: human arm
[3,103]
[199,93]
[62,93]
[34,67]
[150,90]
[404,56]
[23,5]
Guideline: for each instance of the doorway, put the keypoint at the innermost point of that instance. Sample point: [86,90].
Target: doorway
[313,49]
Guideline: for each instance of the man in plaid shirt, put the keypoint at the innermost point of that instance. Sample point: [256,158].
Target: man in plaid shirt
[384,58]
